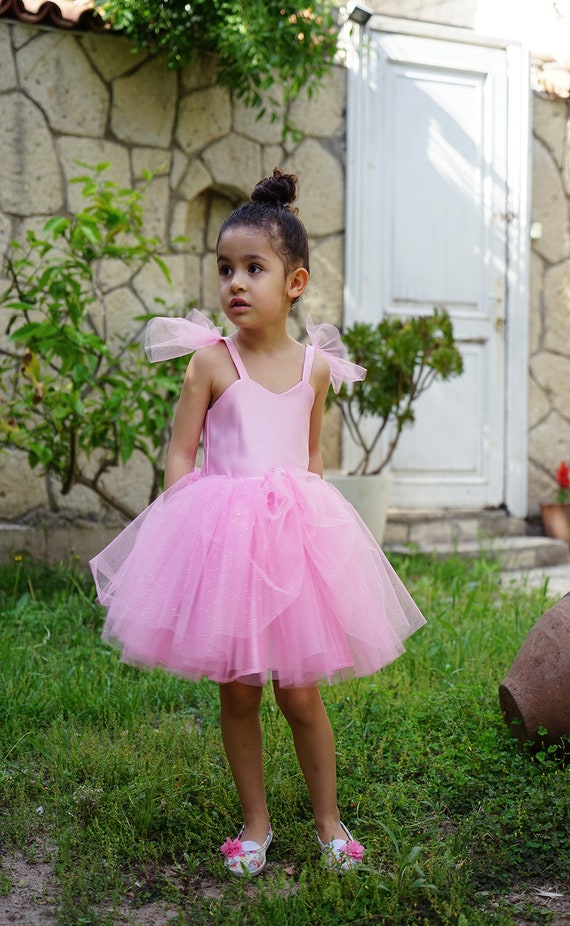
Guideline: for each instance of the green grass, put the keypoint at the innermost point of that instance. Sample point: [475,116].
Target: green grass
[119,776]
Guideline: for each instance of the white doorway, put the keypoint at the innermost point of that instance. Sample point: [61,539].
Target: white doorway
[437,194]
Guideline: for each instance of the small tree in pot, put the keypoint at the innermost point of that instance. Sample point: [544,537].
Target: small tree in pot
[403,356]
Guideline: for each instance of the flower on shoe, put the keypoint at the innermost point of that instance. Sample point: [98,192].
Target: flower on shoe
[353,850]
[232,848]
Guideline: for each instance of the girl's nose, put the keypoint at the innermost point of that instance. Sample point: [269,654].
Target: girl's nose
[238,282]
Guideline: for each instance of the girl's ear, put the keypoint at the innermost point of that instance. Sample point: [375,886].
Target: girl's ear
[298,280]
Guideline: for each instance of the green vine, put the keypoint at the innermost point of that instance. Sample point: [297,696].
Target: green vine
[257,44]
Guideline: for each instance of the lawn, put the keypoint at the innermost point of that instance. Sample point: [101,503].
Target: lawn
[114,781]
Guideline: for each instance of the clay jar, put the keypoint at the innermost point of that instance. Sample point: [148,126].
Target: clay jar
[536,692]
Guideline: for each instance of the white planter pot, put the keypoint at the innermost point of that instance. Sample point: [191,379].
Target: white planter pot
[370,495]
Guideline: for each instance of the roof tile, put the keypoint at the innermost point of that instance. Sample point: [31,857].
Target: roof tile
[65,14]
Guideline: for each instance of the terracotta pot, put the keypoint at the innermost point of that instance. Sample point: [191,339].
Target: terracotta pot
[556,520]
[536,692]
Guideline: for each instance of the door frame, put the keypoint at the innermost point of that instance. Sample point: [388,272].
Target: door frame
[361,164]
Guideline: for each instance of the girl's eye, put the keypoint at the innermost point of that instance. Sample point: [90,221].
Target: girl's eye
[255,268]
[224,271]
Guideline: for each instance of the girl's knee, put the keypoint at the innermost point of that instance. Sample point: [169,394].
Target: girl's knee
[240,699]
[298,704]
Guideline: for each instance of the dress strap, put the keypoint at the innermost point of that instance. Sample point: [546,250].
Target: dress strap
[235,355]
[308,362]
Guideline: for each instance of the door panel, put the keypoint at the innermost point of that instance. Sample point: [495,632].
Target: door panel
[435,234]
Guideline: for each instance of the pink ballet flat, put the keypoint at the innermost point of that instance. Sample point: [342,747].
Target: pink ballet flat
[245,858]
[341,854]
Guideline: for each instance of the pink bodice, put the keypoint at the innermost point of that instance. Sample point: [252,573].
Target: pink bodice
[251,430]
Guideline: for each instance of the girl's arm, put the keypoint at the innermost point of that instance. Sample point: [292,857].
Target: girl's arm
[195,399]
[320,381]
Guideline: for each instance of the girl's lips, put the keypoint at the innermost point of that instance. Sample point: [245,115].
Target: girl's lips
[238,304]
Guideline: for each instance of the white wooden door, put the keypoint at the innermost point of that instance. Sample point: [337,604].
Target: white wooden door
[430,213]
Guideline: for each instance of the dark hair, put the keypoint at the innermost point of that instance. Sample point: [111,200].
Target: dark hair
[269,209]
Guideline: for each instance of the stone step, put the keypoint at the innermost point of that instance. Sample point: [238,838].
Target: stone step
[444,525]
[513,553]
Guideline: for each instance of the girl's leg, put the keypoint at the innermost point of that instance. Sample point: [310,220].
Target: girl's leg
[305,712]
[241,734]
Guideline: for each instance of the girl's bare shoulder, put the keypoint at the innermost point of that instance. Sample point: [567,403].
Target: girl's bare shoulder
[320,373]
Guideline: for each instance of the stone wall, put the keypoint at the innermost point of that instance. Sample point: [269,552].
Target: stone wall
[66,98]
[549,384]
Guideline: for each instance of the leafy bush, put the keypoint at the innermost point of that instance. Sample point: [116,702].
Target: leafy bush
[77,398]
[256,43]
[403,356]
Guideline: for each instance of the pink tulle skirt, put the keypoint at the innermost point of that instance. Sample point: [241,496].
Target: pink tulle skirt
[250,579]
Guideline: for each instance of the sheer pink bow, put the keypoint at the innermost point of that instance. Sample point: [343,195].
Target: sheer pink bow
[326,340]
[173,337]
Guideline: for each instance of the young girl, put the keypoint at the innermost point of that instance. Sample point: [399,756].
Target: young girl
[255,568]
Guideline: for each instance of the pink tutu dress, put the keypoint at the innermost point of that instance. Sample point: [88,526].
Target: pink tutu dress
[251,567]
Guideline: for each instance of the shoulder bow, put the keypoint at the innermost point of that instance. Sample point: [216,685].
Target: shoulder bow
[326,340]
[173,337]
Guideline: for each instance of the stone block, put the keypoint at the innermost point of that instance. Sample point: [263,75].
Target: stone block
[259,128]
[188,223]
[156,208]
[144,105]
[552,373]
[132,483]
[549,124]
[31,180]
[541,487]
[323,299]
[22,34]
[321,188]
[121,309]
[549,206]
[156,160]
[557,300]
[155,292]
[538,404]
[203,117]
[196,179]
[111,55]
[548,444]
[56,544]
[234,163]
[272,156]
[111,274]
[219,209]
[5,239]
[210,298]
[179,167]
[57,75]
[323,115]
[536,286]
[566,160]
[92,152]
[21,488]
[8,80]
[199,74]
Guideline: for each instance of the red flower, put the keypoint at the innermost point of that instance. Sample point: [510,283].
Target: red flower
[563,476]
[562,495]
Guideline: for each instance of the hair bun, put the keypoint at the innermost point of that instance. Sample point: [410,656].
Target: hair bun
[278,190]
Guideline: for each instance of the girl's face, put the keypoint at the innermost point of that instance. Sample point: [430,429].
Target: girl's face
[254,288]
